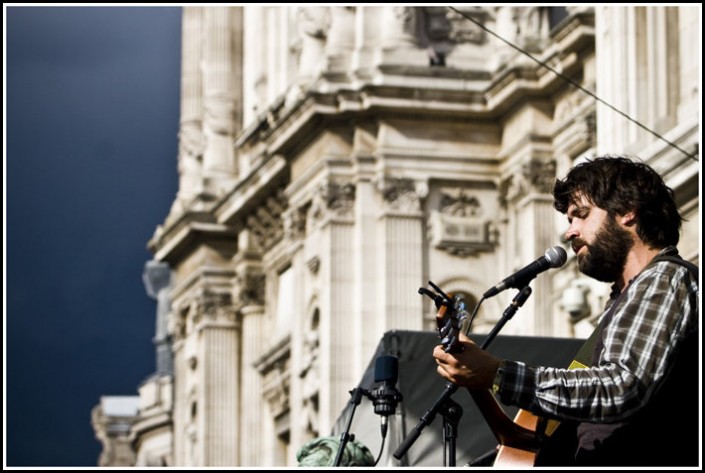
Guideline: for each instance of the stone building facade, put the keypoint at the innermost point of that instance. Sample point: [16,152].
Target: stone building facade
[333,159]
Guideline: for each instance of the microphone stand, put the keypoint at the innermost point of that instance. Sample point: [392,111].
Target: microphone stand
[356,397]
[444,403]
[517,302]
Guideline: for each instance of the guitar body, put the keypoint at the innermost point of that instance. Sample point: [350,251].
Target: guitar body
[517,441]
[513,457]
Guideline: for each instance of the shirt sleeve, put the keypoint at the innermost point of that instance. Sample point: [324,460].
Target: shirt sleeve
[658,311]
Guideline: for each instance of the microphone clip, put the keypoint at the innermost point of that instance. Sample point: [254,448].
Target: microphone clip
[385,399]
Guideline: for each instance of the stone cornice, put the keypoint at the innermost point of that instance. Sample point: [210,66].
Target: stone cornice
[173,243]
[451,94]
[263,181]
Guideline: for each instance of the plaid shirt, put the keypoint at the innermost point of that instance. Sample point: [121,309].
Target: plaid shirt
[660,308]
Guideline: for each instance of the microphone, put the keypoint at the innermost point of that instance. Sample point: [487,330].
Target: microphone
[553,258]
[385,397]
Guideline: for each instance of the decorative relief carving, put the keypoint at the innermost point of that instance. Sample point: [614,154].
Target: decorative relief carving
[313,24]
[314,21]
[274,367]
[176,322]
[332,200]
[310,376]
[402,195]
[266,223]
[294,221]
[400,26]
[540,174]
[404,15]
[204,305]
[248,289]
[458,227]
[456,202]
[463,30]
[192,143]
[314,264]
[537,175]
[532,26]
[212,306]
[220,115]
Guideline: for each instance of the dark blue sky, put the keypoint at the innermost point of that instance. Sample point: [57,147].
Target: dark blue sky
[92,104]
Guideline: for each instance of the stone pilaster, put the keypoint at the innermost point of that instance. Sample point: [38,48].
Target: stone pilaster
[402,228]
[216,327]
[207,375]
[330,219]
[248,298]
[527,192]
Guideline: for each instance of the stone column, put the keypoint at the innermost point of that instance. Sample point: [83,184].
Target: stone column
[191,139]
[612,30]
[222,78]
[661,44]
[368,33]
[341,40]
[399,27]
[399,42]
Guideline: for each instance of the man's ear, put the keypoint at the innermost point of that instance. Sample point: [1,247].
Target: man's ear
[628,219]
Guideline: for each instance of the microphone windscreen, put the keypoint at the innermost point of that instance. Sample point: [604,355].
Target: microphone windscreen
[386,369]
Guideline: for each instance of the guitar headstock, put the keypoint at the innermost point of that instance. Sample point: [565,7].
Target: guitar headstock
[450,317]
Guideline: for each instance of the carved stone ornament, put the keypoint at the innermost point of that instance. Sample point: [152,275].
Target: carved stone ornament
[192,142]
[332,200]
[540,174]
[314,264]
[220,115]
[294,221]
[402,195]
[458,203]
[249,289]
[205,306]
[266,223]
[458,227]
[537,175]
[463,30]
[274,367]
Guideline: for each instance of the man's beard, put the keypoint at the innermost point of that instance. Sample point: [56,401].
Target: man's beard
[605,258]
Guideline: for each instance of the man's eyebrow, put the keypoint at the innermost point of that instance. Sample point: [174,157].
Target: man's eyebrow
[577,209]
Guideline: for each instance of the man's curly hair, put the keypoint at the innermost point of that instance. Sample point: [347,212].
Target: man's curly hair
[620,185]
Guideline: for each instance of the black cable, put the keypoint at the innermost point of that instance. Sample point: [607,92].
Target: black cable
[472,317]
[381,449]
[575,84]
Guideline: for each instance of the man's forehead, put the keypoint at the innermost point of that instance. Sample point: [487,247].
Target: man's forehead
[579,200]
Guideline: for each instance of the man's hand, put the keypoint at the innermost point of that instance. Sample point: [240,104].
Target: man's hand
[472,368]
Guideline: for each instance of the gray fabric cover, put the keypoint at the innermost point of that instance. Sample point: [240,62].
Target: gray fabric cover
[421,387]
